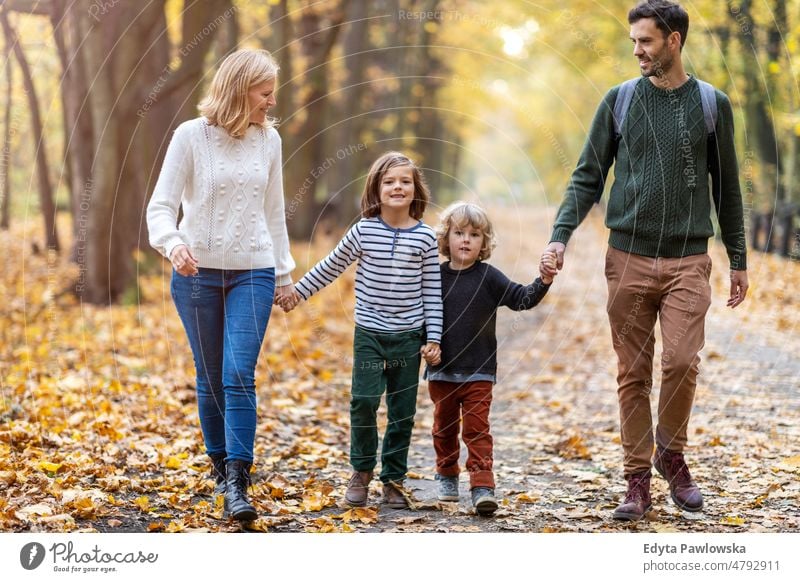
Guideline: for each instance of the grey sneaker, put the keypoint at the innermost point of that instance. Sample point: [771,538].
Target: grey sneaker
[483,500]
[447,489]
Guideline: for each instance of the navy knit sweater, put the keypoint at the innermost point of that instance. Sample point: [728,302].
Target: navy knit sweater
[471,297]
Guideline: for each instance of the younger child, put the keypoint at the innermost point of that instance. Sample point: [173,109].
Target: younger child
[461,384]
[398,311]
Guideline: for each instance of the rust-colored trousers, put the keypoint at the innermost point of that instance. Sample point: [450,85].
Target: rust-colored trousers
[675,291]
[463,404]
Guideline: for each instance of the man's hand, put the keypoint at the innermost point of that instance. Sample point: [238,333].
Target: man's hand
[739,287]
[547,265]
[432,353]
[554,247]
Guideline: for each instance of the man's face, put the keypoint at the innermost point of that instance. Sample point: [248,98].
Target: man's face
[652,48]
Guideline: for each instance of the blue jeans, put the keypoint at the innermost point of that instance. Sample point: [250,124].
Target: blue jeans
[225,315]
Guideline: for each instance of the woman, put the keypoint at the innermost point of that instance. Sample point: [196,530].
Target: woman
[228,254]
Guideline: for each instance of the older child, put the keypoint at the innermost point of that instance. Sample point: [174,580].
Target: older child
[461,384]
[398,312]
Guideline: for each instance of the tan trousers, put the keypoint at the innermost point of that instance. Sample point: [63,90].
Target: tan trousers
[677,292]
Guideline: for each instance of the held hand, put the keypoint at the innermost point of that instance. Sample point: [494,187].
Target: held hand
[432,353]
[287,297]
[554,247]
[739,287]
[548,267]
[183,261]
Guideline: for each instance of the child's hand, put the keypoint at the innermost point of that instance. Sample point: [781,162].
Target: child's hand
[287,298]
[432,353]
[547,267]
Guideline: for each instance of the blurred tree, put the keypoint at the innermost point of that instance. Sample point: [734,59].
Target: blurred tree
[121,98]
[5,154]
[46,202]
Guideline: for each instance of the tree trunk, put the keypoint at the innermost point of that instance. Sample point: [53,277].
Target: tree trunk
[5,156]
[282,37]
[759,118]
[46,203]
[428,129]
[345,181]
[305,153]
[78,130]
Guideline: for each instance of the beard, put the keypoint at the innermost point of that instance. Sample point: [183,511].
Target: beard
[660,64]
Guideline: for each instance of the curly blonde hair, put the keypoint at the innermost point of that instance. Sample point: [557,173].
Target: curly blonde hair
[459,215]
[226,102]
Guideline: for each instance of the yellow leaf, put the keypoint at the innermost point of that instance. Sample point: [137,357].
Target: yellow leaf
[176,526]
[156,526]
[527,498]
[49,467]
[173,463]
[573,448]
[730,520]
[142,503]
[255,525]
[362,514]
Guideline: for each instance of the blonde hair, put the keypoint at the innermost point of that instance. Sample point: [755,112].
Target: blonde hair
[371,197]
[226,102]
[459,215]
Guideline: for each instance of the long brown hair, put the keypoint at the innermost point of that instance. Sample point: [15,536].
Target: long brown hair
[371,197]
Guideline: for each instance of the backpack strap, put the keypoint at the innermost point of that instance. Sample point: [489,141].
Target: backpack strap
[623,103]
[709,99]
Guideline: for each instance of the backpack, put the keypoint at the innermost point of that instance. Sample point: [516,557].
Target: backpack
[625,95]
[708,99]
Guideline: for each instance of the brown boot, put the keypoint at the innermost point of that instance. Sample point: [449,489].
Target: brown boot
[682,488]
[393,496]
[358,488]
[637,501]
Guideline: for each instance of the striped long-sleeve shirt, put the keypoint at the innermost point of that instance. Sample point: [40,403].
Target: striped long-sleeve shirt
[398,281]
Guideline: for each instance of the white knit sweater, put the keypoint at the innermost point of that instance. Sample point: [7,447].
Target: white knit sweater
[232,196]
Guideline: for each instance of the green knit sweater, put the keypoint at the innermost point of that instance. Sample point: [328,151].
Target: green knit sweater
[660,203]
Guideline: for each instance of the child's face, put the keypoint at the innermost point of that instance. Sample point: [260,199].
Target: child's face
[397,188]
[465,244]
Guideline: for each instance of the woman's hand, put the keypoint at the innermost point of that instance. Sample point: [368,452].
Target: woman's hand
[432,353]
[183,261]
[287,297]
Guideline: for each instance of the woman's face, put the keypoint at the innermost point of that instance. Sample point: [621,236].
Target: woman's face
[260,98]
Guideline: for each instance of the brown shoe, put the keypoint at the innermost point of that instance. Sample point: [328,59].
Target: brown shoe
[682,488]
[358,488]
[637,501]
[393,496]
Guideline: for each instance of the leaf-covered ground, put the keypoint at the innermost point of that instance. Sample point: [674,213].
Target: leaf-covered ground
[99,432]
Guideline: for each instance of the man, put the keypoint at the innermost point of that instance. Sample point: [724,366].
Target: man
[657,266]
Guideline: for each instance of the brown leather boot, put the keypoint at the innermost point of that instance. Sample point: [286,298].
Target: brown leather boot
[637,501]
[358,488]
[682,488]
[393,496]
